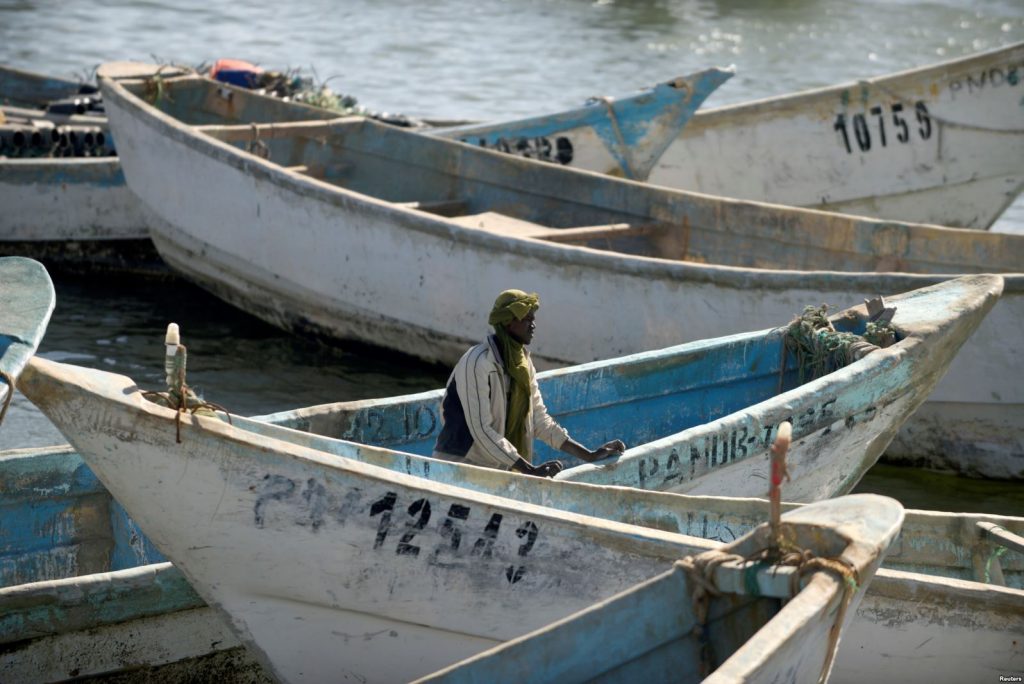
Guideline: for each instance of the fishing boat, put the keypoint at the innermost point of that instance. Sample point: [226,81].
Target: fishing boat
[700,417]
[85,591]
[73,212]
[942,144]
[28,299]
[328,567]
[78,213]
[698,621]
[707,619]
[623,137]
[337,233]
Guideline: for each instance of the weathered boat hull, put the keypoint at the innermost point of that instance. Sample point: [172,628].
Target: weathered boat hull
[940,144]
[347,591]
[336,281]
[75,214]
[946,548]
[312,555]
[699,417]
[28,89]
[144,621]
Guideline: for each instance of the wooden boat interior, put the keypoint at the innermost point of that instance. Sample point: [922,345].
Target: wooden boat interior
[510,196]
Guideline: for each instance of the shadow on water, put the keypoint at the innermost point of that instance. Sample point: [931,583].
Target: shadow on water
[929,490]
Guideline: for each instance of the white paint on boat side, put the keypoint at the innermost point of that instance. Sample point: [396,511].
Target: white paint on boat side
[939,144]
[280,536]
[63,200]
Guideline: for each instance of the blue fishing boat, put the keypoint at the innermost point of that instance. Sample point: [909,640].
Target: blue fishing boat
[28,298]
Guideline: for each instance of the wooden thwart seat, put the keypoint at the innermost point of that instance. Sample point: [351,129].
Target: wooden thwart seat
[503,224]
[453,207]
[493,222]
[584,233]
[269,131]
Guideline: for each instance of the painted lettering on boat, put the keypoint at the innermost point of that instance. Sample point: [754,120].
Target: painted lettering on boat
[452,531]
[404,527]
[559,151]
[994,77]
[703,530]
[882,128]
[374,426]
[737,443]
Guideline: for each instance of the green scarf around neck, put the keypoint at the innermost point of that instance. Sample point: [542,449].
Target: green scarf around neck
[515,305]
[518,368]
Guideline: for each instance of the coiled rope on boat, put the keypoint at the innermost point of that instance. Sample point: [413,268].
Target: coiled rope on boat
[820,349]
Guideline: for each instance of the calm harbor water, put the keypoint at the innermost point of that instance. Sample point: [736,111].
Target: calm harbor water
[475,59]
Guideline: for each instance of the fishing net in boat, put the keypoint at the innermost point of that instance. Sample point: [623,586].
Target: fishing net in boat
[820,349]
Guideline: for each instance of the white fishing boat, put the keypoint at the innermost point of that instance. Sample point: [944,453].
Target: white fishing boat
[333,234]
[74,597]
[943,144]
[329,567]
[75,212]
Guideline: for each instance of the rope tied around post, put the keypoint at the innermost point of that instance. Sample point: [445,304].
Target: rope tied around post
[256,146]
[179,397]
[779,552]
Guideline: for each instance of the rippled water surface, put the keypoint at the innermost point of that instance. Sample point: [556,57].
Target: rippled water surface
[476,59]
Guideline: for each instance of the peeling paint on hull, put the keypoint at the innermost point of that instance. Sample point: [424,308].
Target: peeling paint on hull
[367,552]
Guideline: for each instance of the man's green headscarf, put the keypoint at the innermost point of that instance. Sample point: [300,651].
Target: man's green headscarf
[514,305]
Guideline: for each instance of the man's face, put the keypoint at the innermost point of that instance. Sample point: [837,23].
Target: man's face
[522,331]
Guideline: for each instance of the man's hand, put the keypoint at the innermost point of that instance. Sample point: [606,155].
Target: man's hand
[612,448]
[546,469]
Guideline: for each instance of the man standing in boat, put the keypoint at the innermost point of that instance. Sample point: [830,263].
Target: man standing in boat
[492,408]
